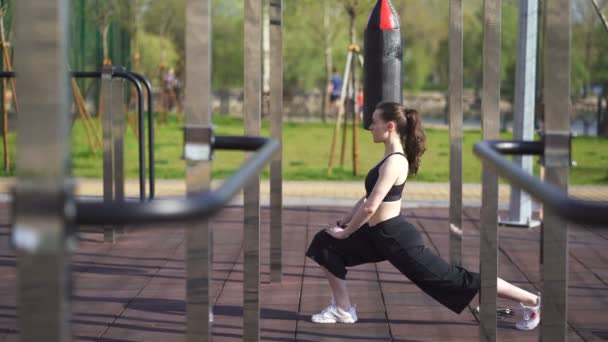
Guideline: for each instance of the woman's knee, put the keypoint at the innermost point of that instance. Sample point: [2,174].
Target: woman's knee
[321,239]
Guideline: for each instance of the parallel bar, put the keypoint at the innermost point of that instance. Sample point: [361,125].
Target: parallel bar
[43,196]
[520,204]
[556,89]
[107,114]
[178,209]
[134,79]
[589,212]
[455,107]
[489,195]
[199,237]
[122,73]
[251,115]
[276,132]
[150,94]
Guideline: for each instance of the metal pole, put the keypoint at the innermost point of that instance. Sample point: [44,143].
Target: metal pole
[355,111]
[118,115]
[108,145]
[276,132]
[199,237]
[455,98]
[44,205]
[251,115]
[151,174]
[557,163]
[520,205]
[489,195]
[334,140]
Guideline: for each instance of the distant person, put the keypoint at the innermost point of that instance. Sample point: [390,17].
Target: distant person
[169,83]
[375,231]
[360,99]
[335,90]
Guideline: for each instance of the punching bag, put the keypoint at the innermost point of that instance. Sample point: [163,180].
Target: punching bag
[383,54]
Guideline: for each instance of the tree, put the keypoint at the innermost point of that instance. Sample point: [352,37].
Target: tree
[424,26]
[228,50]
[166,19]
[325,32]
[103,13]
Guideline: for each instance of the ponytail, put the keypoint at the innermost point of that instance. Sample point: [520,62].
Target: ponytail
[409,126]
[413,139]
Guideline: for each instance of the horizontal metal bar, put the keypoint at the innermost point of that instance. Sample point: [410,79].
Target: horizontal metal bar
[181,209]
[86,74]
[240,143]
[576,211]
[518,147]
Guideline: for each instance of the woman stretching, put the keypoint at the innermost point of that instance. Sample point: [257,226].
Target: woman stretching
[375,231]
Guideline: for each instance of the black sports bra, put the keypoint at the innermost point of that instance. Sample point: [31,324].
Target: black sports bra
[394,194]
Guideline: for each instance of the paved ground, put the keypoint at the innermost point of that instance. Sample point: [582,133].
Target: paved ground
[134,289]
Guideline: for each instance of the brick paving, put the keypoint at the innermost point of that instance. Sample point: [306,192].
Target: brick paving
[134,289]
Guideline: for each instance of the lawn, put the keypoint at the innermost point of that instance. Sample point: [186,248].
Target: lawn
[306,154]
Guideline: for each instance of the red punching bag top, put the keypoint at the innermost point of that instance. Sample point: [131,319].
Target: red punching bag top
[383,16]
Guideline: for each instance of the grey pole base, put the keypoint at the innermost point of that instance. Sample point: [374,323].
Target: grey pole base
[519,224]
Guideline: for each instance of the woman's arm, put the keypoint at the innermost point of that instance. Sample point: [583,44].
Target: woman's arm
[388,175]
[351,213]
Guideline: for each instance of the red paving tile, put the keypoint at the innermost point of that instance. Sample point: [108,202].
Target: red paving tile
[134,290]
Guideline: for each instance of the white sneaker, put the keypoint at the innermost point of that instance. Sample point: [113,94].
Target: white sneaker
[335,314]
[531,317]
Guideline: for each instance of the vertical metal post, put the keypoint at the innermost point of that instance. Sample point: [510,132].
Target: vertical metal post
[355,111]
[276,132]
[520,204]
[456,84]
[489,194]
[119,112]
[198,174]
[251,115]
[108,144]
[557,162]
[44,205]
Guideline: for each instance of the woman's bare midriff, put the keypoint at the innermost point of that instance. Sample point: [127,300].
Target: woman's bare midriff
[385,211]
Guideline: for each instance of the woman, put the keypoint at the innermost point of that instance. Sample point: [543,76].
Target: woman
[375,231]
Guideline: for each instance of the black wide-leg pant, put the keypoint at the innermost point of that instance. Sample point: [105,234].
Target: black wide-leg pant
[399,242]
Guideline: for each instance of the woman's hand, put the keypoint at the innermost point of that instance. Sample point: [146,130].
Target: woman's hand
[337,232]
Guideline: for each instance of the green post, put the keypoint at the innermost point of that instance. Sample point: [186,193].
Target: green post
[2,90]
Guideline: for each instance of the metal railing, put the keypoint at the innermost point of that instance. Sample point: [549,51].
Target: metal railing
[558,209]
[135,79]
[574,210]
[194,207]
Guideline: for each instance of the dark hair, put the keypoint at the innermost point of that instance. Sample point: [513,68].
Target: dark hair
[409,126]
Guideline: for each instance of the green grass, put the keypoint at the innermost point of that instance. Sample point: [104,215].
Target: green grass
[306,154]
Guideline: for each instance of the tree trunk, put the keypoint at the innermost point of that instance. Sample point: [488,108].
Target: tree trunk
[588,47]
[602,112]
[4,114]
[104,41]
[328,62]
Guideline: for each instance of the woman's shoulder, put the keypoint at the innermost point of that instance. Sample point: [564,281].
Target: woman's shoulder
[396,156]
[397,160]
